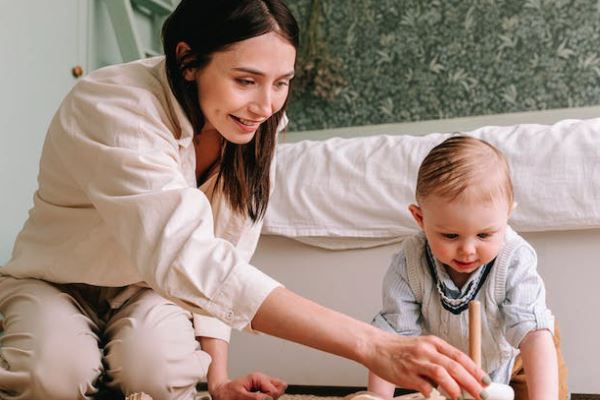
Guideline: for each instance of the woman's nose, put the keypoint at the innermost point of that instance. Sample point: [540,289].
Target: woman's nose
[262,105]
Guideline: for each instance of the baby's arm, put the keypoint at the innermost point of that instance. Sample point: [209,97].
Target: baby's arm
[400,315]
[541,366]
[529,324]
[380,386]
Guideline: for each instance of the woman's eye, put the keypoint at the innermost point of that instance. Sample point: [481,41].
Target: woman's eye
[244,82]
[450,235]
[282,84]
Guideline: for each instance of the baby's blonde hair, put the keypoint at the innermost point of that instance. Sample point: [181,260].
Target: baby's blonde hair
[465,166]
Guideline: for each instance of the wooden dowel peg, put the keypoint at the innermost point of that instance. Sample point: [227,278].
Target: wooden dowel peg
[475,331]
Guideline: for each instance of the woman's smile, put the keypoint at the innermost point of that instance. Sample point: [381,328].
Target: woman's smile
[246,125]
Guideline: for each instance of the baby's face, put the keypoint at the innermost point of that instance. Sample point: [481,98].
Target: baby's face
[463,233]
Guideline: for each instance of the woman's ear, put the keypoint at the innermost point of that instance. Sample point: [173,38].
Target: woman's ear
[182,48]
[417,214]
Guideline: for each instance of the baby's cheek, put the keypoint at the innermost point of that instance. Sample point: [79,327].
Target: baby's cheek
[494,250]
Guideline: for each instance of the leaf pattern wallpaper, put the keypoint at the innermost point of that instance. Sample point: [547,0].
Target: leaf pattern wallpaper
[365,62]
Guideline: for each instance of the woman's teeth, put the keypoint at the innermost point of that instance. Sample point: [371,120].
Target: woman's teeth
[247,122]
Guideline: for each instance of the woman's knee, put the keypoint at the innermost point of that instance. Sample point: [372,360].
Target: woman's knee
[149,367]
[49,349]
[75,379]
[61,372]
[155,352]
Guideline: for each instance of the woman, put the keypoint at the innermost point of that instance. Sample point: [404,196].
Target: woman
[122,257]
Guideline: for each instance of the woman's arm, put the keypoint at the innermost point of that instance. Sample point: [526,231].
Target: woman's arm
[410,362]
[217,371]
[541,366]
[255,386]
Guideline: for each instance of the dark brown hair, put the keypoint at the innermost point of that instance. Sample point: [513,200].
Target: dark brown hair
[210,26]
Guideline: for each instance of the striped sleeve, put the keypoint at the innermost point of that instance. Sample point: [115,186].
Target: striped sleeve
[401,313]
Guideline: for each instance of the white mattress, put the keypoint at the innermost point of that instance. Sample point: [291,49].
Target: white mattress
[353,193]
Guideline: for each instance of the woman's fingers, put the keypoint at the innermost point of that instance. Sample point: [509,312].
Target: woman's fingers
[423,386]
[233,390]
[437,366]
[442,379]
[418,361]
[463,370]
[280,386]
[255,386]
[259,396]
[269,385]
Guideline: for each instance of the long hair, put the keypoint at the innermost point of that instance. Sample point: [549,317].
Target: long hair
[210,26]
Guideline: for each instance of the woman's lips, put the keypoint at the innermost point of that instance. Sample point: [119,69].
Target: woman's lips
[245,124]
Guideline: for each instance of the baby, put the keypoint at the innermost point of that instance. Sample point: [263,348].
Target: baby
[467,251]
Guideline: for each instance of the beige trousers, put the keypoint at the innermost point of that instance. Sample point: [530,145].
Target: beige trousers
[62,341]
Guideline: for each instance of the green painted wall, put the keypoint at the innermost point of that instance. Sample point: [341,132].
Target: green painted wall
[380,61]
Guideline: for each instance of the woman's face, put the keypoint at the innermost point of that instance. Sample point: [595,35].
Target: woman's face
[244,85]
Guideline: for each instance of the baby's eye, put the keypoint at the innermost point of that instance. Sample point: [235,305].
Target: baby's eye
[450,235]
[484,235]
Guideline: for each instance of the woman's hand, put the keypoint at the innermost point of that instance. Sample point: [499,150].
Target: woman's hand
[424,362]
[254,386]
[410,362]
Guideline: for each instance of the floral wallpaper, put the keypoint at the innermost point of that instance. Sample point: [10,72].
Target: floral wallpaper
[366,62]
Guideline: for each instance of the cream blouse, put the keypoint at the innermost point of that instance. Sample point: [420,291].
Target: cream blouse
[117,204]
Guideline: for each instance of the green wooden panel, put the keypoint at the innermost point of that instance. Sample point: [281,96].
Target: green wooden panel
[122,19]
[155,6]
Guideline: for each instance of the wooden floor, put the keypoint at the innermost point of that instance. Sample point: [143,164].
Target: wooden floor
[337,392]
[301,392]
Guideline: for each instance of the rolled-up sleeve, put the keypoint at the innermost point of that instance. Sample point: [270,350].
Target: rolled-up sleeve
[401,313]
[524,306]
[206,326]
[127,162]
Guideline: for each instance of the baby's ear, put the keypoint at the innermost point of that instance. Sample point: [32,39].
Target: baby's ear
[417,214]
[512,208]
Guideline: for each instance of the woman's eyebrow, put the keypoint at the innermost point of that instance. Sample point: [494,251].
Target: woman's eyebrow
[253,71]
